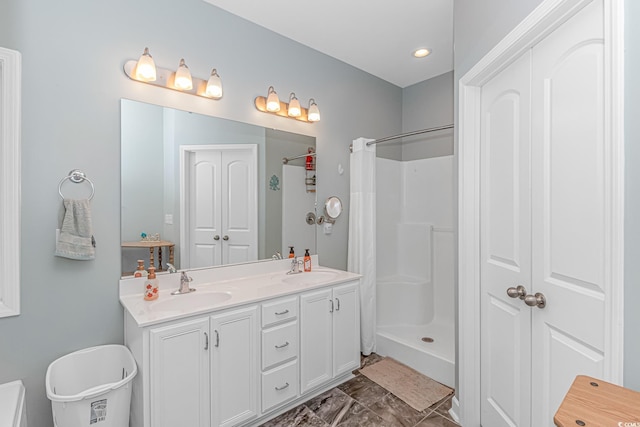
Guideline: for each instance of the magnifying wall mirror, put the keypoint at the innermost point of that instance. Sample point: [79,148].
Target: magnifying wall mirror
[332,208]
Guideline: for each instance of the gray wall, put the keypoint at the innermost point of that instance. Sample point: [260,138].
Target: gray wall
[72,57]
[426,105]
[478,26]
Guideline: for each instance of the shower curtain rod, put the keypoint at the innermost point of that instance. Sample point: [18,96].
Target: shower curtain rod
[286,160]
[402,135]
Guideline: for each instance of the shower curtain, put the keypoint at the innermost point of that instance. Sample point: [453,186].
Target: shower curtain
[362,236]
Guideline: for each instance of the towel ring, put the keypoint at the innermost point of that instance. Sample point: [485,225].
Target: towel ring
[76,176]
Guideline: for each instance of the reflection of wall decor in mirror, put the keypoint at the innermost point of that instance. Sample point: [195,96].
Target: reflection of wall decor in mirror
[144,70]
[10,97]
[153,197]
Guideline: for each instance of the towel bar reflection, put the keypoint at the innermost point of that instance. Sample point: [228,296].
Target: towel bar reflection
[76,176]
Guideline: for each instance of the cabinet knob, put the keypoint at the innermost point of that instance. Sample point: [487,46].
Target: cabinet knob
[216,237]
[225,237]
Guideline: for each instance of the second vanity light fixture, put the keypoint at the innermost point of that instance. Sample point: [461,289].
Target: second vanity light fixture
[272,104]
[145,70]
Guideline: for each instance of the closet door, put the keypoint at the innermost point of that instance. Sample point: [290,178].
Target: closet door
[505,224]
[571,187]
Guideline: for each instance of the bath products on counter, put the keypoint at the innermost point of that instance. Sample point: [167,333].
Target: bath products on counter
[292,254]
[307,260]
[151,289]
[140,271]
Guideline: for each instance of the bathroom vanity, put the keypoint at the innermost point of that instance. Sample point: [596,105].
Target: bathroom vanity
[250,343]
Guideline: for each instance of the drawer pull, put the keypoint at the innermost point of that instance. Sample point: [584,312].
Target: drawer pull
[206,341]
[283,345]
[217,338]
[280,313]
[282,387]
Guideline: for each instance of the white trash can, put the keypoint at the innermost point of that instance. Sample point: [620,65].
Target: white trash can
[92,387]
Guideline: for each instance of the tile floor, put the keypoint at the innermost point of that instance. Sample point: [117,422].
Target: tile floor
[363,403]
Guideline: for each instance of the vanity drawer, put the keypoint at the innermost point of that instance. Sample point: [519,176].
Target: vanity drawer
[279,310]
[279,343]
[279,385]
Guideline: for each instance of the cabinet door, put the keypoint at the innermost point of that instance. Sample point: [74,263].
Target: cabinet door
[180,375]
[315,339]
[346,328]
[234,377]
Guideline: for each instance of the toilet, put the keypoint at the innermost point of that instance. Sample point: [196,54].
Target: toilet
[12,406]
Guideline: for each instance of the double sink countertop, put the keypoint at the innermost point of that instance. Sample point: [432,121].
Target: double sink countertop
[223,287]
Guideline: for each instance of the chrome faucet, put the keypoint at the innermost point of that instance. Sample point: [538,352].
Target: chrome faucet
[171,268]
[295,266]
[277,255]
[184,285]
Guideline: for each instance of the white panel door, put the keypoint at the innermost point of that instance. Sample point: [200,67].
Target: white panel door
[571,211]
[221,184]
[240,205]
[505,248]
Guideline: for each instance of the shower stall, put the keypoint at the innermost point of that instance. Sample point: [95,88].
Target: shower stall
[415,264]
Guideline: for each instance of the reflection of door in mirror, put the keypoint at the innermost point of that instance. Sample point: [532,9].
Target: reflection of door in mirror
[220,204]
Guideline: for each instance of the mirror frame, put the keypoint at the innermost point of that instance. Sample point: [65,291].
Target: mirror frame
[10,100]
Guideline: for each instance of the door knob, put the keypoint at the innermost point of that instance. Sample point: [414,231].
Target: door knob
[517,292]
[535,300]
[225,237]
[216,237]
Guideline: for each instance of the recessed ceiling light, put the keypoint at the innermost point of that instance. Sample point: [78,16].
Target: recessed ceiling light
[422,52]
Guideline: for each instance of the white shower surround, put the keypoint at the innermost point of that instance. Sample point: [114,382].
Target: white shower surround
[415,264]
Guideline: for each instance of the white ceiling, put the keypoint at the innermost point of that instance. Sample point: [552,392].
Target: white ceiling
[375,36]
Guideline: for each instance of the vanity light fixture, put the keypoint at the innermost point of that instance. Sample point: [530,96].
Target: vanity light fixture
[145,67]
[294,109]
[272,105]
[273,102]
[182,79]
[144,70]
[314,113]
[214,85]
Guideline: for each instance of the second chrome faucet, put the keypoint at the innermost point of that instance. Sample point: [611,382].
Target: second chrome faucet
[295,266]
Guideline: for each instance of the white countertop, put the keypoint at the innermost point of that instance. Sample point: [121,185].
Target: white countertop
[11,403]
[223,287]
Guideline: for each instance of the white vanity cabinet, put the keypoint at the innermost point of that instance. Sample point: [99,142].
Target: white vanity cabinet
[280,360]
[329,334]
[179,374]
[200,372]
[271,345]
[234,367]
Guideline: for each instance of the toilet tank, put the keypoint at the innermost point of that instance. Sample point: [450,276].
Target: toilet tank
[12,405]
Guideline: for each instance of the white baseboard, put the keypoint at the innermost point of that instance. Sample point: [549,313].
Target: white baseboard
[455,409]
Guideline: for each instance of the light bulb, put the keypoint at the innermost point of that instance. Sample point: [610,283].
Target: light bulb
[146,68]
[214,85]
[183,77]
[314,113]
[294,106]
[273,102]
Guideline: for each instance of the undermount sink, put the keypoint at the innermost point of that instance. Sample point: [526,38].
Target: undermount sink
[192,301]
[310,278]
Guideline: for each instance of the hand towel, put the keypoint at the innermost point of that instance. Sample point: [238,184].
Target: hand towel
[75,240]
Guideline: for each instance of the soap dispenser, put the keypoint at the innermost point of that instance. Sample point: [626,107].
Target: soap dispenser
[151,289]
[307,261]
[140,272]
[292,254]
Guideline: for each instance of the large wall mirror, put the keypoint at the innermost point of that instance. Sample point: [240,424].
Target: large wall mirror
[203,191]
